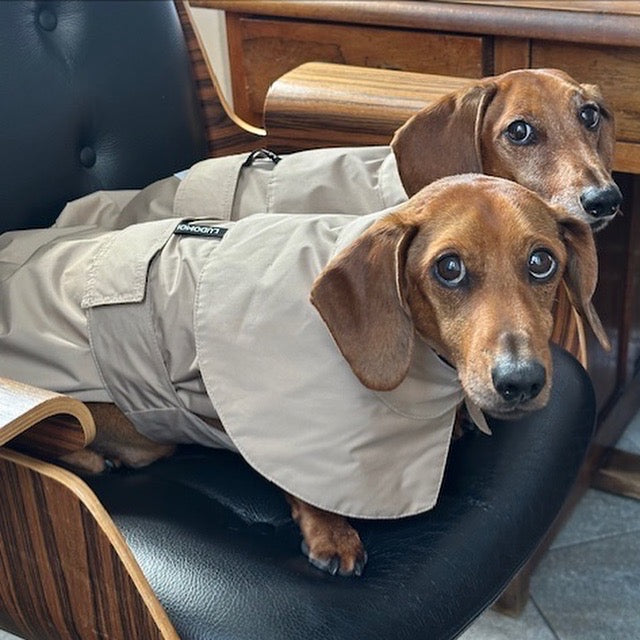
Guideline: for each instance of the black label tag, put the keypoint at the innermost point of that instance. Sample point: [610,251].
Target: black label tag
[198,229]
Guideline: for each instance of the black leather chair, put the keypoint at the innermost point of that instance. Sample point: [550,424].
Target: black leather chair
[102,94]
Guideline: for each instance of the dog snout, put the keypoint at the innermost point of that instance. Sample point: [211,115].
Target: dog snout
[518,381]
[601,202]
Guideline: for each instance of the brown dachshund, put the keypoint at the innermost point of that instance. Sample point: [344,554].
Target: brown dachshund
[438,270]
[539,128]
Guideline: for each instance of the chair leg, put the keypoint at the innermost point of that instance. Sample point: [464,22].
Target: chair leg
[514,598]
[619,474]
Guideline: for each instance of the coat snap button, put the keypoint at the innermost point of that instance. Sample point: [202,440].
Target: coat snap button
[47,20]
[87,157]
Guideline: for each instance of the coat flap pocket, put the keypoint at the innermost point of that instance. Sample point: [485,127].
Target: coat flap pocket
[118,272]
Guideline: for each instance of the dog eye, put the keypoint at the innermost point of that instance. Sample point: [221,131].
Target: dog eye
[542,265]
[521,132]
[450,270]
[589,116]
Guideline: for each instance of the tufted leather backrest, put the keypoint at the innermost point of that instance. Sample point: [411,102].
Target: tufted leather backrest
[93,95]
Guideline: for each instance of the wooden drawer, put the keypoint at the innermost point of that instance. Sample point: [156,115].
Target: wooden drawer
[261,50]
[615,69]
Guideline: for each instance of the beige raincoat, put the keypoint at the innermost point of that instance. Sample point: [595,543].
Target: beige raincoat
[171,319]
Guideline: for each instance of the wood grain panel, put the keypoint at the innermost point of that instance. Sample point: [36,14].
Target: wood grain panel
[263,50]
[65,570]
[621,7]
[627,157]
[510,54]
[549,21]
[615,69]
[629,364]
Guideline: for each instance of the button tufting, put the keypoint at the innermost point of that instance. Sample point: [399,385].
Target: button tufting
[87,157]
[47,20]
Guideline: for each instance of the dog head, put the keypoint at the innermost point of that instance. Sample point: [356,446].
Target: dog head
[539,128]
[471,265]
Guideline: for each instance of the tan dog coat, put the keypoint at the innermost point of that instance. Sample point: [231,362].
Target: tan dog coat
[169,326]
[354,180]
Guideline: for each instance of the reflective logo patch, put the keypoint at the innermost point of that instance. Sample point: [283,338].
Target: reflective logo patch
[199,229]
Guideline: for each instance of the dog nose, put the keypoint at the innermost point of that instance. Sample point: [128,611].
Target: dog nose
[601,202]
[518,381]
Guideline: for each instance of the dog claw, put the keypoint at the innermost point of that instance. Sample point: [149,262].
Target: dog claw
[110,465]
[333,566]
[359,565]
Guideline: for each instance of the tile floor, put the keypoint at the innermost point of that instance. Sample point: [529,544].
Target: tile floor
[587,587]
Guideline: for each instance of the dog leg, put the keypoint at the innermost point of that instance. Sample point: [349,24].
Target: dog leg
[117,443]
[329,541]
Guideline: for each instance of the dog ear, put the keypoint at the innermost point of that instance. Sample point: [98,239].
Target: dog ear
[359,296]
[606,133]
[581,274]
[443,139]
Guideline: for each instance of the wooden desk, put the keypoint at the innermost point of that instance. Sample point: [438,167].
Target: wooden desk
[594,41]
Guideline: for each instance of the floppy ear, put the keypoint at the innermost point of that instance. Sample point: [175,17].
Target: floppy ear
[359,296]
[443,139]
[581,274]
[606,133]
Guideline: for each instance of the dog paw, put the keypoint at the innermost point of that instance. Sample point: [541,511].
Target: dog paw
[342,554]
[329,541]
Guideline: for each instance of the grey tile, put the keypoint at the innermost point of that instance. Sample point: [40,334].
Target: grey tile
[599,515]
[495,626]
[591,591]
[630,440]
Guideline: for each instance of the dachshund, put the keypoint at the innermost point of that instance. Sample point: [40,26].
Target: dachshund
[537,127]
[432,273]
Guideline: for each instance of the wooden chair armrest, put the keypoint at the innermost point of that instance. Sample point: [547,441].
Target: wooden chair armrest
[320,104]
[42,422]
